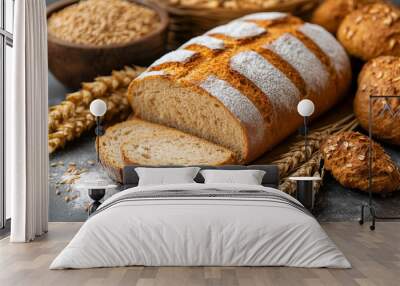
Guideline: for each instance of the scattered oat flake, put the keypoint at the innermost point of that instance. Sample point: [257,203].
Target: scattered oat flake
[91,162]
[54,164]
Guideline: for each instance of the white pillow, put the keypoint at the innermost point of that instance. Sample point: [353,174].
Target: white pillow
[165,176]
[248,177]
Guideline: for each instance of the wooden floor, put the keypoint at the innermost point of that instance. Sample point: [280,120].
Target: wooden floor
[375,257]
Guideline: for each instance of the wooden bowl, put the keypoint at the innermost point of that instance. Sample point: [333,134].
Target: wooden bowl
[73,64]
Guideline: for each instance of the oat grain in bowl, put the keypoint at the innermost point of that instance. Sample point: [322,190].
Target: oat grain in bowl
[102,22]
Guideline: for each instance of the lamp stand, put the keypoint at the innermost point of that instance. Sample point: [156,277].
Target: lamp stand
[369,205]
[306,137]
[99,131]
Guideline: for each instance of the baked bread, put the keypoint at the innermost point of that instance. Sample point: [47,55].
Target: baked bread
[138,142]
[371,31]
[234,4]
[239,84]
[330,13]
[346,156]
[380,76]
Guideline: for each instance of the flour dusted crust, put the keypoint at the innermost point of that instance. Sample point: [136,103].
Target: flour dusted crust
[238,30]
[265,16]
[293,51]
[151,73]
[336,53]
[379,77]
[206,41]
[239,105]
[178,56]
[282,93]
[253,84]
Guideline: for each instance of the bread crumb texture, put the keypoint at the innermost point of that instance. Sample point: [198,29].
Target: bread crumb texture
[142,143]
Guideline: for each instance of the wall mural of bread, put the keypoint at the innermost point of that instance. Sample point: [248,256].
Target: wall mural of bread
[239,84]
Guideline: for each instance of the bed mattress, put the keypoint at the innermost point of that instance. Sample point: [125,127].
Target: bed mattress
[201,225]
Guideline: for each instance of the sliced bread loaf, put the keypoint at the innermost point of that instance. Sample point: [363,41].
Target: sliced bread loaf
[139,142]
[239,84]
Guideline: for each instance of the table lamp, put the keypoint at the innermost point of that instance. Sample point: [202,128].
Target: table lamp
[305,108]
[98,108]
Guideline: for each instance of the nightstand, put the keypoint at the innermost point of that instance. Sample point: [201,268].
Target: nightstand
[305,193]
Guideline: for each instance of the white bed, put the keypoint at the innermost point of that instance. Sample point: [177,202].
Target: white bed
[222,225]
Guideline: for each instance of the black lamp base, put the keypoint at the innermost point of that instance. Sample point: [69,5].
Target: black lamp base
[305,193]
[373,215]
[96,195]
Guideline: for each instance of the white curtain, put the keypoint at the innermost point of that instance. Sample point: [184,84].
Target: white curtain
[26,124]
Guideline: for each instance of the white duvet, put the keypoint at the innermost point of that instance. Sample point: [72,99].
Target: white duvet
[205,231]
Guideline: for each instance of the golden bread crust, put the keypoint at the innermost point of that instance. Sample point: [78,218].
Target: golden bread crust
[346,156]
[285,70]
[330,13]
[372,31]
[379,77]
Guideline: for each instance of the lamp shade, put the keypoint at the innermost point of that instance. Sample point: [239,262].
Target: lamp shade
[305,108]
[98,107]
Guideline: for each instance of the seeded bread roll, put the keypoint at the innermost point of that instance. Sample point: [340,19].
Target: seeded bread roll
[371,31]
[380,76]
[346,156]
[330,13]
[239,84]
[143,143]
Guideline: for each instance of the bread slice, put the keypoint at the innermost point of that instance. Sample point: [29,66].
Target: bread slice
[137,142]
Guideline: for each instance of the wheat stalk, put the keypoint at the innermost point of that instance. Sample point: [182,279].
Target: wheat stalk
[71,118]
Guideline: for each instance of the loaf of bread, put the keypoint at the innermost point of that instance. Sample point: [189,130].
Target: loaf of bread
[371,31]
[330,13]
[239,84]
[380,77]
[136,142]
[346,156]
